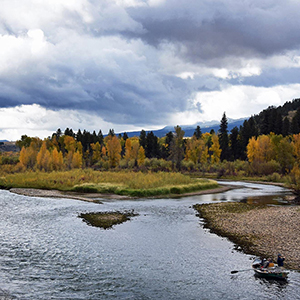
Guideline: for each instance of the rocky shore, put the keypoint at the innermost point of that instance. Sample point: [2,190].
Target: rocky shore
[258,230]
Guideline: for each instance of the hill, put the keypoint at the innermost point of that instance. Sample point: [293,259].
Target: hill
[6,146]
[190,129]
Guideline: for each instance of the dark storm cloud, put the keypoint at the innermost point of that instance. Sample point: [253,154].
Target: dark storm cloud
[125,63]
[212,31]
[271,77]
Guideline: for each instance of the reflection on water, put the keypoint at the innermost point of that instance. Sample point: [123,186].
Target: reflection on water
[257,194]
[47,252]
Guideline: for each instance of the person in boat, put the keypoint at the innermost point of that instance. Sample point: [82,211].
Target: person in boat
[280,260]
[268,263]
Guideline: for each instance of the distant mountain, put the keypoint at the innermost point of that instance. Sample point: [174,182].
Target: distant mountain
[6,146]
[190,129]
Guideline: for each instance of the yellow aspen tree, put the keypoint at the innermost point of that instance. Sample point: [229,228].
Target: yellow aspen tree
[215,149]
[76,160]
[189,150]
[79,147]
[285,155]
[40,156]
[265,149]
[57,160]
[141,156]
[103,153]
[96,152]
[28,155]
[47,161]
[252,149]
[70,143]
[114,151]
[204,153]
[135,149]
[23,158]
[128,148]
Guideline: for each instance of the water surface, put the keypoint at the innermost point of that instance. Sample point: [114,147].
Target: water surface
[47,252]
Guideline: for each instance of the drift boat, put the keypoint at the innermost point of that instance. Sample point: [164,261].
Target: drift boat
[273,271]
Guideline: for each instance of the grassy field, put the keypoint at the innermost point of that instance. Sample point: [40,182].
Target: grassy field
[135,184]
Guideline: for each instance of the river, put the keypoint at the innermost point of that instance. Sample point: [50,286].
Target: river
[48,252]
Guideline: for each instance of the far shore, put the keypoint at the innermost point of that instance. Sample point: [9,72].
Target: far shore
[97,197]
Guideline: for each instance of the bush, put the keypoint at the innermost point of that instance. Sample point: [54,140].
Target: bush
[275,177]
[264,168]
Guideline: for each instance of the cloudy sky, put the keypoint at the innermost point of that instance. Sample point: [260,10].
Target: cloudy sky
[143,64]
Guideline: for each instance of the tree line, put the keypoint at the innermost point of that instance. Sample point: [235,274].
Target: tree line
[258,142]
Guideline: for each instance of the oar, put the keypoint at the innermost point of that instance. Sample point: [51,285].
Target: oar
[236,271]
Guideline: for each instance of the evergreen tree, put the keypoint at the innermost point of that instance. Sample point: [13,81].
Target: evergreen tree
[223,138]
[86,140]
[111,132]
[142,139]
[100,137]
[94,137]
[198,132]
[125,136]
[169,138]
[295,126]
[286,127]
[152,146]
[177,147]
[69,132]
[235,147]
[278,123]
[58,133]
[265,125]
[248,130]
[79,136]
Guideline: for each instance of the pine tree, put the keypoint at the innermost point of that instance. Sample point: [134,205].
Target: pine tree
[198,132]
[286,127]
[235,147]
[111,132]
[152,146]
[142,139]
[223,138]
[100,137]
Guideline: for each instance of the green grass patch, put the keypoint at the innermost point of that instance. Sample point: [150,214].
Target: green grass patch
[135,184]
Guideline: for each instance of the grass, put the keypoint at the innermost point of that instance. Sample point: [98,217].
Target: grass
[136,184]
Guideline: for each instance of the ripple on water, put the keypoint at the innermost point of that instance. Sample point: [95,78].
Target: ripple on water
[47,252]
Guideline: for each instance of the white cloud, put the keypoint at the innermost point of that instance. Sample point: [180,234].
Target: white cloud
[242,101]
[36,121]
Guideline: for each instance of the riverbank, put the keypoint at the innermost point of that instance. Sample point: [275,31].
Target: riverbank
[97,197]
[258,230]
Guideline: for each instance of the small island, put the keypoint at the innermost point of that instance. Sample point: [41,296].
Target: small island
[107,220]
[258,230]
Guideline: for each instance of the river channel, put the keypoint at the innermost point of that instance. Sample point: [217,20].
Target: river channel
[48,252]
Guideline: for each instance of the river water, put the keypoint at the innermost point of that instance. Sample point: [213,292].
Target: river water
[47,252]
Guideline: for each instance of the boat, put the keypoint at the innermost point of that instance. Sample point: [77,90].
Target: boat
[273,271]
